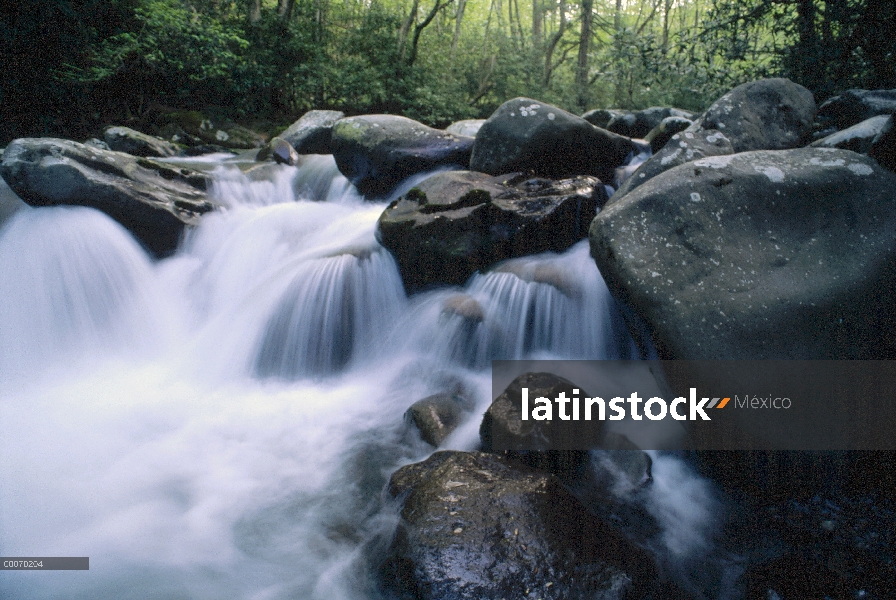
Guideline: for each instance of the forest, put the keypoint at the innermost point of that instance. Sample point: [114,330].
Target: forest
[72,66]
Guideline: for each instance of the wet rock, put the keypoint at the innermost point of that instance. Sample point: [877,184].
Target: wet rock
[475,526]
[525,135]
[464,306]
[9,202]
[454,224]
[311,133]
[376,152]
[786,254]
[555,446]
[206,149]
[435,417]
[280,151]
[468,127]
[854,106]
[193,128]
[125,139]
[152,200]
[857,138]
[768,114]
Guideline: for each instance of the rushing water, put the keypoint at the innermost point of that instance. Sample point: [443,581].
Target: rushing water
[221,424]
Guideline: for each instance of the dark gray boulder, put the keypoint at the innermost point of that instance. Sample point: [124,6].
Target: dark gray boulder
[783,255]
[436,416]
[660,135]
[476,526]
[456,223]
[311,133]
[768,114]
[376,152]
[467,127]
[280,151]
[525,135]
[152,200]
[854,106]
[125,139]
[857,138]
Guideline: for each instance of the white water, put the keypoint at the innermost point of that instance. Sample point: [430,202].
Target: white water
[221,424]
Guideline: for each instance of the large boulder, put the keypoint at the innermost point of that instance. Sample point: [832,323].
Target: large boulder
[525,135]
[788,254]
[154,201]
[376,152]
[456,223]
[854,106]
[125,139]
[193,128]
[768,114]
[476,526]
[311,133]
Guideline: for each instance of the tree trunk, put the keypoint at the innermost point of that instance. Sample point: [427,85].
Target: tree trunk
[537,20]
[461,6]
[254,11]
[584,49]
[552,45]
[406,28]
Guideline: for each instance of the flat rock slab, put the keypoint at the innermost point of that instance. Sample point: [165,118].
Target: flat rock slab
[759,255]
[476,526]
[152,200]
[456,223]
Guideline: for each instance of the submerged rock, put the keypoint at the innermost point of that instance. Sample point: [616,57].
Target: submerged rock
[768,114]
[311,133]
[476,526]
[883,146]
[152,200]
[525,135]
[125,139]
[786,254]
[454,224]
[376,152]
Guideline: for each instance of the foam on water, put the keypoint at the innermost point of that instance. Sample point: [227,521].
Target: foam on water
[221,424]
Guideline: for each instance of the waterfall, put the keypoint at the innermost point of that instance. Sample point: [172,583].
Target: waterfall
[221,423]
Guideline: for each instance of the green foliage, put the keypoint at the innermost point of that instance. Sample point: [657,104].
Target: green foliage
[71,66]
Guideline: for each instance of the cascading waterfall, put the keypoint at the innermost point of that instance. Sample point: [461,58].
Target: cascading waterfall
[221,423]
